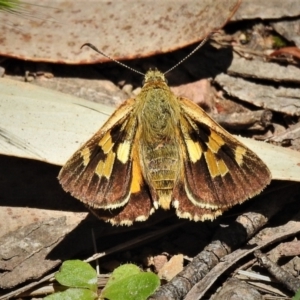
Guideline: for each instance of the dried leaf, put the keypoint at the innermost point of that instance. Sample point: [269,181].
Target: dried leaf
[171,268]
[124,29]
[35,119]
[292,51]
[252,9]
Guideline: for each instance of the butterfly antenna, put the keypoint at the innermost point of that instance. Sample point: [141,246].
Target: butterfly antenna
[116,61]
[190,54]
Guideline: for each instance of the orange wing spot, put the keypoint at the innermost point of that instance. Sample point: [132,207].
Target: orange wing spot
[223,170]
[137,178]
[194,150]
[211,163]
[215,142]
[85,154]
[104,168]
[215,167]
[239,154]
[123,151]
[106,143]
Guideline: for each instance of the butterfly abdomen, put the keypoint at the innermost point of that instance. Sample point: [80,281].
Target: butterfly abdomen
[161,170]
[158,115]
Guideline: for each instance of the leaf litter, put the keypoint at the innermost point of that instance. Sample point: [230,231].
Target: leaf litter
[259,78]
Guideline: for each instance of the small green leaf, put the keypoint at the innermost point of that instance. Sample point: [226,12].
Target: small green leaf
[128,282]
[9,5]
[76,273]
[122,272]
[297,296]
[278,42]
[74,294]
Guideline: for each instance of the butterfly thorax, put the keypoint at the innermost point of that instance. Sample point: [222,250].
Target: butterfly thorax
[158,114]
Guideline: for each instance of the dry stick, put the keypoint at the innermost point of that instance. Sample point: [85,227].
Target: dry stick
[224,241]
[96,251]
[283,232]
[280,274]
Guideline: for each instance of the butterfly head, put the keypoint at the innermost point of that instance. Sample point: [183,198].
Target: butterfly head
[154,76]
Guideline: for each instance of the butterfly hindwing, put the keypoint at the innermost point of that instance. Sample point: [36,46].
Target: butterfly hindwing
[140,205]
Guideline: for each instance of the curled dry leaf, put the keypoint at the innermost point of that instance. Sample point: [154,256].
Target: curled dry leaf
[171,268]
[287,51]
[158,261]
[36,121]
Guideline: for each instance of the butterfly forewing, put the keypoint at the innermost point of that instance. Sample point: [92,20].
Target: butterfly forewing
[219,171]
[100,173]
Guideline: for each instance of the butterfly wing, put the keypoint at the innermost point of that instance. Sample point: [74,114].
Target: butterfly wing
[218,170]
[139,205]
[106,175]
